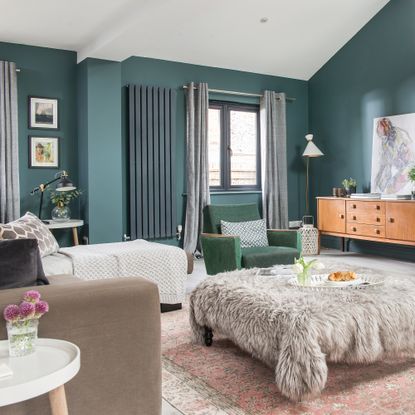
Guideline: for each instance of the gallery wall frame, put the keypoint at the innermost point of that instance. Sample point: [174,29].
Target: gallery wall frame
[43,113]
[43,152]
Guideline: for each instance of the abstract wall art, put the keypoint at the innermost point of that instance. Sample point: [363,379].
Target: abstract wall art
[393,154]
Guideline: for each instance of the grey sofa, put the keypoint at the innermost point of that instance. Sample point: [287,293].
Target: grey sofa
[116,324]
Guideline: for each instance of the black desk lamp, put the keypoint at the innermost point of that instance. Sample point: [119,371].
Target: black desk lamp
[64,185]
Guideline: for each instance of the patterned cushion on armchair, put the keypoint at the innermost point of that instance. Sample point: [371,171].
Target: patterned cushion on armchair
[252,233]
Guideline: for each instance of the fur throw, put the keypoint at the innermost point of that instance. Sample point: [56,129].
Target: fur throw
[295,331]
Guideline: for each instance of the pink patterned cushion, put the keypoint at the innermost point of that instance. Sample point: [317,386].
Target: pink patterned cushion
[30,226]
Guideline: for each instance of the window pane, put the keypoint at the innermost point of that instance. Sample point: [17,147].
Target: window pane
[214,147]
[243,140]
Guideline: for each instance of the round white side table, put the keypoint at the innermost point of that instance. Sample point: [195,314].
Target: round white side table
[54,363]
[73,224]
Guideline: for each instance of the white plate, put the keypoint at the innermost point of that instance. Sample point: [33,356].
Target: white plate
[322,281]
[356,281]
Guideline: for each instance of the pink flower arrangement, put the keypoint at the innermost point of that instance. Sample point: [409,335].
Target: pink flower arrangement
[31,307]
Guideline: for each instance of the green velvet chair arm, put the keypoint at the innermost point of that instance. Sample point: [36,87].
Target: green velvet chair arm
[221,252]
[289,238]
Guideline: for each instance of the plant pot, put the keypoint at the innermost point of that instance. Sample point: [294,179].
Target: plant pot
[350,190]
[61,213]
[22,335]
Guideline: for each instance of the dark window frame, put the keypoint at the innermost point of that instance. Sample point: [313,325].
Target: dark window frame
[225,146]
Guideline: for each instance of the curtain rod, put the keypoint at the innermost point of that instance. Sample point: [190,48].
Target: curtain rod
[241,94]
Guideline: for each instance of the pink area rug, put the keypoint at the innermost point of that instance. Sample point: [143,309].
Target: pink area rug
[223,380]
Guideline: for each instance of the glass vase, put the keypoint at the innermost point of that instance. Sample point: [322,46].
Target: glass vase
[304,277]
[61,214]
[22,335]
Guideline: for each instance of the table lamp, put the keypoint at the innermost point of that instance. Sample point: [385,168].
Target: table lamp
[64,184]
[310,151]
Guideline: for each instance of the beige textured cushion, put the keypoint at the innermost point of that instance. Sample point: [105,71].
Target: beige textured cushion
[30,227]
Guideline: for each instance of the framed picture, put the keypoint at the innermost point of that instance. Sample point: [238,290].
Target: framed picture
[393,153]
[43,152]
[43,113]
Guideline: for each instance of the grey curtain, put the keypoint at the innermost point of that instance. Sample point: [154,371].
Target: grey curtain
[274,160]
[197,171]
[9,153]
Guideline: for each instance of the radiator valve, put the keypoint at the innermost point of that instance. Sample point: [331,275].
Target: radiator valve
[179,232]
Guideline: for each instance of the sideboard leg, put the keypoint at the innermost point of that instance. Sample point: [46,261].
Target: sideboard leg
[57,399]
[208,336]
[342,244]
[319,243]
[348,244]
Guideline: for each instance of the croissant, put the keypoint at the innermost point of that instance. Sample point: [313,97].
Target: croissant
[342,276]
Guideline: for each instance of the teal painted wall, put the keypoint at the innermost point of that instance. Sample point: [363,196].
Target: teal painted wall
[99,109]
[145,71]
[48,73]
[373,75]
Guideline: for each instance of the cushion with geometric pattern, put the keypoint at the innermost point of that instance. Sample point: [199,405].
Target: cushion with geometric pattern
[30,226]
[252,233]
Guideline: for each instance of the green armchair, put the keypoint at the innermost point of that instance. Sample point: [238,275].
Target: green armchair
[224,253]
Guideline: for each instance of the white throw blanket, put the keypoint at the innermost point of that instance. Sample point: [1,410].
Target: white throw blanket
[165,265]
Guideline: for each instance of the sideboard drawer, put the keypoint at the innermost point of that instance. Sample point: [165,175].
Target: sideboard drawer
[365,217]
[359,206]
[366,230]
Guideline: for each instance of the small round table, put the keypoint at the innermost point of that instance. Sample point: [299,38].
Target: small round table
[54,363]
[73,224]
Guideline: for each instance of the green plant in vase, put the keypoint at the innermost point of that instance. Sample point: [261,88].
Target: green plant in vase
[411,177]
[61,200]
[302,269]
[349,185]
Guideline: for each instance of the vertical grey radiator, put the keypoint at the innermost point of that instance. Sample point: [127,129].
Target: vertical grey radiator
[152,141]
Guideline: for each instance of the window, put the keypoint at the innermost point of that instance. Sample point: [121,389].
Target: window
[234,161]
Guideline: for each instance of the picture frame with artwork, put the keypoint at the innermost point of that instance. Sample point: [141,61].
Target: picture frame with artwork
[43,152]
[43,113]
[393,152]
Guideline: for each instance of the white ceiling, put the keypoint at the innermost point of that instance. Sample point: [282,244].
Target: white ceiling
[298,39]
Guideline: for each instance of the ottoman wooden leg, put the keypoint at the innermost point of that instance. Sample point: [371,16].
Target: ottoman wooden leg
[208,336]
[57,399]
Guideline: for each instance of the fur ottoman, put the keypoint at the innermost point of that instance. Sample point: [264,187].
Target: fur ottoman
[296,331]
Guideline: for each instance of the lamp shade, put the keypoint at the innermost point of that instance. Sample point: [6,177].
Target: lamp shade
[65,184]
[311,149]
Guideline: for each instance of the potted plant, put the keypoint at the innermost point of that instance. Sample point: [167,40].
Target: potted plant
[302,269]
[61,200]
[22,323]
[349,186]
[411,177]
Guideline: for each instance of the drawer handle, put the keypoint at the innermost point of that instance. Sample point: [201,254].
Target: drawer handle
[341,216]
[391,220]
[354,218]
[354,206]
[377,207]
[354,229]
[377,231]
[377,219]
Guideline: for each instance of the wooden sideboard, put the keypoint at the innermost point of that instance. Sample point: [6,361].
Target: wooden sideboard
[391,221]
